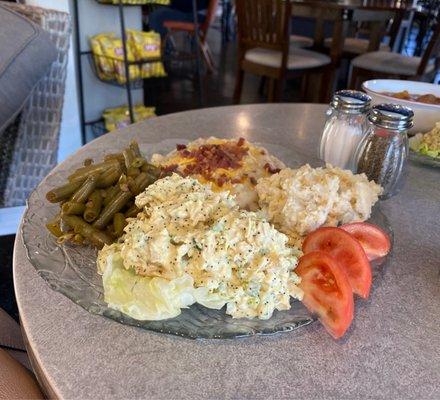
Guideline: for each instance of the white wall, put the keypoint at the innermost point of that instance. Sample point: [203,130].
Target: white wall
[94,18]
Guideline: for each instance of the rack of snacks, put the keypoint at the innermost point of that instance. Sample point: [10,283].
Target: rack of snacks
[124,61]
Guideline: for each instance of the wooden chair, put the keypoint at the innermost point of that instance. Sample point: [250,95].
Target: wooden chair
[380,64]
[190,28]
[264,48]
[372,24]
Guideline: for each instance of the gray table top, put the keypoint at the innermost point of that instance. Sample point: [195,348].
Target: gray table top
[391,351]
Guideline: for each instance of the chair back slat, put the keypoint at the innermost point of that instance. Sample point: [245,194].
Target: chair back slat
[263,23]
[432,51]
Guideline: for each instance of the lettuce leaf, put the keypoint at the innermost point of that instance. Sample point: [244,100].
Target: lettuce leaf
[144,298]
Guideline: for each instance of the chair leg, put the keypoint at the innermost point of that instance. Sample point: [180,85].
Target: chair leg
[206,52]
[354,78]
[262,85]
[304,86]
[271,91]
[238,85]
[326,86]
[279,90]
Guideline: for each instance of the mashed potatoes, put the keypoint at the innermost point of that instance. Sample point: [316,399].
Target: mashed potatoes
[228,164]
[300,200]
[187,233]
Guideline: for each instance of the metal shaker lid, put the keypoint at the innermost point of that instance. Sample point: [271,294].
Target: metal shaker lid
[391,116]
[351,101]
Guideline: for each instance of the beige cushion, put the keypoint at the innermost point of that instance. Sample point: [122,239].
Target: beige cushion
[391,63]
[298,58]
[356,45]
[300,41]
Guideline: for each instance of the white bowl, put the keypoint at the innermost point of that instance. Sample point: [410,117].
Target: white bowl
[425,115]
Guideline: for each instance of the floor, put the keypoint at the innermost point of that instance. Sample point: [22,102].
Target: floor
[7,298]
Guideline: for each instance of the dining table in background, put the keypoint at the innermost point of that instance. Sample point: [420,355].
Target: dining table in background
[344,12]
[391,350]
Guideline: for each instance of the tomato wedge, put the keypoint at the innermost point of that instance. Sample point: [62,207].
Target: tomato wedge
[347,251]
[327,292]
[375,242]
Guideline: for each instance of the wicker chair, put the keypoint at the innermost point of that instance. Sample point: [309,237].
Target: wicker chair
[33,140]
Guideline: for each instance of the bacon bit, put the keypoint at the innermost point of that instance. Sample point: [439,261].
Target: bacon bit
[180,147]
[240,142]
[210,157]
[270,169]
[253,180]
[263,152]
[168,170]
[221,181]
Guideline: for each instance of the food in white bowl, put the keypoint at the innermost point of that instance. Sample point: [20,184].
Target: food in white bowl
[427,143]
[392,91]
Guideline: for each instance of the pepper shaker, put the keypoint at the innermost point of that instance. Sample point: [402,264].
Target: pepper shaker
[383,151]
[345,126]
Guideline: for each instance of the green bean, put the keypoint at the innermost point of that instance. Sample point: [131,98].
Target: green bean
[93,206]
[78,239]
[110,193]
[121,199]
[63,192]
[129,157]
[65,237]
[73,208]
[86,189]
[82,173]
[116,156]
[93,235]
[132,212]
[131,185]
[119,224]
[132,171]
[109,177]
[114,206]
[135,148]
[138,162]
[54,226]
[151,169]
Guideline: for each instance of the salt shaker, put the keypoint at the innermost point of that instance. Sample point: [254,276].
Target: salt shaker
[383,151]
[345,126]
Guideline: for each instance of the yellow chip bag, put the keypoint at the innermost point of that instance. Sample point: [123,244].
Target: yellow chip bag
[104,66]
[114,50]
[119,117]
[147,45]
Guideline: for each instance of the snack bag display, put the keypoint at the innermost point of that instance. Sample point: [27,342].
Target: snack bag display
[119,117]
[108,56]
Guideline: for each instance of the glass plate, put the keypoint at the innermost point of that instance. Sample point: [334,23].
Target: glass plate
[423,159]
[71,270]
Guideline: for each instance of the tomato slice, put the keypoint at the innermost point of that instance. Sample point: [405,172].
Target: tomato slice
[375,242]
[327,292]
[347,251]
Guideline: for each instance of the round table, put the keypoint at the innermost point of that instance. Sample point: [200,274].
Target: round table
[391,351]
